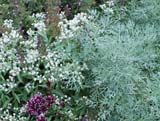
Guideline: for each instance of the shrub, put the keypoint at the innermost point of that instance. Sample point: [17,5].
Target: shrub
[122,58]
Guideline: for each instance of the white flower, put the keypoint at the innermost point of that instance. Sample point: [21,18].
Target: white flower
[70,27]
[39,16]
[30,32]
[109,10]
[8,23]
[110,3]
[106,9]
[103,6]
[40,25]
[32,56]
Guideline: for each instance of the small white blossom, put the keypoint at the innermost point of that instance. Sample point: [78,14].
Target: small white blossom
[106,9]
[70,27]
[40,25]
[8,23]
[110,3]
[6,115]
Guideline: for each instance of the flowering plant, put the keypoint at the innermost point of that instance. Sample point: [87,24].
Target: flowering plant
[100,65]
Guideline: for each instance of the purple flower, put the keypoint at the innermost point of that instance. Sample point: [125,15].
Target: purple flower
[38,104]
[50,100]
[41,118]
[62,105]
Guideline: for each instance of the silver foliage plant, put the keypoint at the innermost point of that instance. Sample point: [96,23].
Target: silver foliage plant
[122,58]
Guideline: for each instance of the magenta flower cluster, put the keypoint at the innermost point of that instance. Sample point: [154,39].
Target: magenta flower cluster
[38,106]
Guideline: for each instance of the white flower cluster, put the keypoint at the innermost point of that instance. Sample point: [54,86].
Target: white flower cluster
[71,115]
[70,27]
[107,8]
[8,57]
[29,87]
[6,115]
[39,21]
[8,23]
[7,86]
[32,56]
[37,53]
[39,16]
[72,74]
[65,99]
[35,58]
[110,3]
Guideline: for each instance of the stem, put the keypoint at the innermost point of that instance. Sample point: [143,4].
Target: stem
[16,5]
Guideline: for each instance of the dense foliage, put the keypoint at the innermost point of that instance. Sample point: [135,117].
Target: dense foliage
[98,61]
